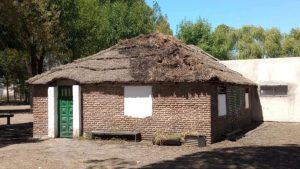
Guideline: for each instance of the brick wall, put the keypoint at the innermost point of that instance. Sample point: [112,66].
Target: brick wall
[237,116]
[176,108]
[40,110]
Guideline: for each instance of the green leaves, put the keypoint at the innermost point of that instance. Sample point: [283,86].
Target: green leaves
[198,33]
[223,40]
[291,43]
[160,21]
[126,20]
[248,42]
[93,25]
[272,43]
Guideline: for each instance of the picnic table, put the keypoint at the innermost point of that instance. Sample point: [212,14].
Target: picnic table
[8,116]
[9,111]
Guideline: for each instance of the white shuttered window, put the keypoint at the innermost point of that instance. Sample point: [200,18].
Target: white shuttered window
[138,101]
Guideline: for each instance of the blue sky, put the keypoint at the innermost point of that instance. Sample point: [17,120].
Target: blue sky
[282,14]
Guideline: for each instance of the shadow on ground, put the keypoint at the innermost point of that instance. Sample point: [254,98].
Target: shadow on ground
[282,157]
[16,134]
[116,163]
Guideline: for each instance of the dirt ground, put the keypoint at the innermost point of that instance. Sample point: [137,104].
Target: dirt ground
[271,145]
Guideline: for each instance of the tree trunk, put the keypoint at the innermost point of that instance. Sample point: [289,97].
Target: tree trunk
[41,63]
[33,60]
[7,91]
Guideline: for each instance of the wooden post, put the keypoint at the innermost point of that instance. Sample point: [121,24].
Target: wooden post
[8,120]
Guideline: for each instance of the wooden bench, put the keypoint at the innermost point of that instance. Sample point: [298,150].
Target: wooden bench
[8,116]
[235,135]
[118,134]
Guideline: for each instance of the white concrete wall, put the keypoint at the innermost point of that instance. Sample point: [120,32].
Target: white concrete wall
[76,111]
[52,112]
[278,70]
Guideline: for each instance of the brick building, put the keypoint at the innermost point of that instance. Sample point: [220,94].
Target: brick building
[150,83]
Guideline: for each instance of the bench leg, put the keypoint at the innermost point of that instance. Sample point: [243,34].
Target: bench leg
[8,120]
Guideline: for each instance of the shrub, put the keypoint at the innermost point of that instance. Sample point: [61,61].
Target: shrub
[165,139]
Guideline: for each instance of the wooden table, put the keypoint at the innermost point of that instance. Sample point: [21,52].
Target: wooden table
[8,116]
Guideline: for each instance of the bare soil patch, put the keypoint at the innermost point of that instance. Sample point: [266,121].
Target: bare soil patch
[271,145]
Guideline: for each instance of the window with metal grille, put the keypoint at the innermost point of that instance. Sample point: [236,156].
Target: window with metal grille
[274,90]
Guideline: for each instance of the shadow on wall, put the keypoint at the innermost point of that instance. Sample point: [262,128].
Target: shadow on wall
[257,113]
[238,117]
[237,157]
[16,134]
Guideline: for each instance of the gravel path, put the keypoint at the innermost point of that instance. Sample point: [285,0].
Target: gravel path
[271,145]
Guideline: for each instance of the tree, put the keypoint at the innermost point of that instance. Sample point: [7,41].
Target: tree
[272,44]
[32,23]
[291,43]
[198,34]
[223,42]
[160,21]
[46,33]
[93,25]
[250,42]
[126,19]
[82,24]
[12,68]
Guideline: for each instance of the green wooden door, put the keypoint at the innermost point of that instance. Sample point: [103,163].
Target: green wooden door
[65,111]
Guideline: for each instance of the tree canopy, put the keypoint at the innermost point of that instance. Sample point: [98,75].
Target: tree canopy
[36,35]
[247,42]
[40,34]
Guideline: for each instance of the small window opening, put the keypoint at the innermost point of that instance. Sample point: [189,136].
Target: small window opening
[247,105]
[276,90]
[222,109]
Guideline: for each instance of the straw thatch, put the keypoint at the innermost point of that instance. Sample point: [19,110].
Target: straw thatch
[145,58]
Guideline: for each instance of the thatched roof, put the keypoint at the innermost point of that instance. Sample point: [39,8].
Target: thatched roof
[145,58]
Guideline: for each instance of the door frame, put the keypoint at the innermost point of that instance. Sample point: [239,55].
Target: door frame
[69,97]
[53,111]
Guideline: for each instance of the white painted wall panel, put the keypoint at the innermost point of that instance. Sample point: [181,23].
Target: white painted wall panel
[246,100]
[52,112]
[76,110]
[222,104]
[138,101]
